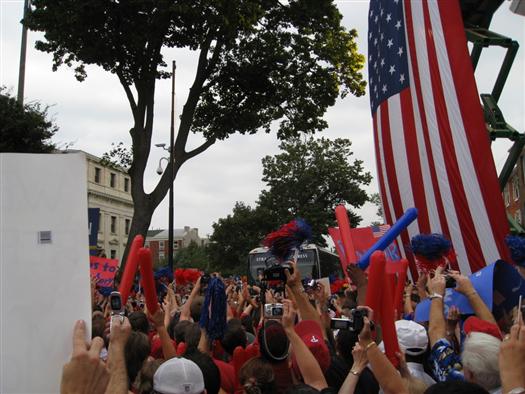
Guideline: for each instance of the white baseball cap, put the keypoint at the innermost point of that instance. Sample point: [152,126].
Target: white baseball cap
[412,337]
[178,376]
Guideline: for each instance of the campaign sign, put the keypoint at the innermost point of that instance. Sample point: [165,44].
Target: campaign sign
[499,285]
[103,270]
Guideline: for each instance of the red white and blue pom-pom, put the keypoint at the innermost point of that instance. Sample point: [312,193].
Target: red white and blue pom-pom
[430,251]
[289,237]
[516,246]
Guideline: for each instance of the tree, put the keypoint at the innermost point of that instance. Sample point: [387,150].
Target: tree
[24,128]
[375,199]
[260,62]
[235,235]
[192,256]
[309,179]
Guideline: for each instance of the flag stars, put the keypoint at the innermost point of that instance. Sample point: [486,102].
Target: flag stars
[370,35]
[375,41]
[382,62]
[402,78]
[392,69]
[382,12]
[398,25]
[376,19]
[382,37]
[388,17]
[400,51]
[390,43]
[375,64]
[384,89]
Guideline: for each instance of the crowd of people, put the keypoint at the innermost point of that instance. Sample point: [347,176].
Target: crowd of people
[224,336]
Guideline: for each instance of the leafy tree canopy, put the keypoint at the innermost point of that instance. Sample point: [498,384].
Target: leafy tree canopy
[309,179]
[192,256]
[24,128]
[260,63]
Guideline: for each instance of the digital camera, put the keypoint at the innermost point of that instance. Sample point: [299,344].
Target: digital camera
[355,323]
[273,310]
[276,272]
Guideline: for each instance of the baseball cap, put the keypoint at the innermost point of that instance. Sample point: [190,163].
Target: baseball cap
[312,335]
[178,376]
[273,341]
[412,337]
[475,324]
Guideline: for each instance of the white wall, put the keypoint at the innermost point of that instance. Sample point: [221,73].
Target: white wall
[44,287]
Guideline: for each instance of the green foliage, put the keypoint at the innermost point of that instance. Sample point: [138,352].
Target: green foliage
[261,61]
[24,128]
[235,235]
[118,156]
[192,256]
[309,179]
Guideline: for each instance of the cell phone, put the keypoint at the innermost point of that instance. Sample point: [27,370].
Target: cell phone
[117,308]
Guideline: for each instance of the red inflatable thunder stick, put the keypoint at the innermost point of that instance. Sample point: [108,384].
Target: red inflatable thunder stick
[148,283]
[344,229]
[400,285]
[131,268]
[379,296]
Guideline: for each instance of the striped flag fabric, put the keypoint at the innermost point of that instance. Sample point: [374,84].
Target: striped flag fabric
[431,144]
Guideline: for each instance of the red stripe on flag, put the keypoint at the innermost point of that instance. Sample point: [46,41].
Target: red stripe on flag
[476,134]
[466,225]
[417,84]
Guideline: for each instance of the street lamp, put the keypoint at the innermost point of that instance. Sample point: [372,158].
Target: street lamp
[170,203]
[170,161]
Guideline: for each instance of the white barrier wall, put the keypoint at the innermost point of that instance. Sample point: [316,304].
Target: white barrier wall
[44,267]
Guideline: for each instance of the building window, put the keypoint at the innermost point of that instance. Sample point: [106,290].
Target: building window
[146,244]
[113,224]
[126,184]
[113,180]
[161,246]
[517,216]
[126,226]
[97,175]
[113,253]
[175,245]
[506,196]
[515,188]
[161,255]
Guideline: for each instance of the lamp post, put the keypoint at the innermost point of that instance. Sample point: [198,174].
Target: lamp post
[172,167]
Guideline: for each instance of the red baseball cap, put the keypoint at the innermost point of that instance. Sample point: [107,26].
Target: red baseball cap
[475,324]
[312,335]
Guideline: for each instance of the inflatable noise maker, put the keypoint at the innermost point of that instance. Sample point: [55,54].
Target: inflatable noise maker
[384,295]
[402,223]
[140,256]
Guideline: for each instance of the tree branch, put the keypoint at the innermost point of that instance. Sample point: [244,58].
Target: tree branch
[200,149]
[129,94]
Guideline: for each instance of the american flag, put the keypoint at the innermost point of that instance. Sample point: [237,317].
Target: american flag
[379,231]
[431,145]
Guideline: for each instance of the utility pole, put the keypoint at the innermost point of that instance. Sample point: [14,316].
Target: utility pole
[23,47]
[172,174]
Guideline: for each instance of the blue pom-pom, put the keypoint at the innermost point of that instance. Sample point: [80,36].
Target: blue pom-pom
[516,246]
[430,246]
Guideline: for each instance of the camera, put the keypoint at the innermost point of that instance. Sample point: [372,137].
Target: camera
[355,323]
[205,279]
[310,284]
[340,324]
[450,282]
[276,272]
[273,310]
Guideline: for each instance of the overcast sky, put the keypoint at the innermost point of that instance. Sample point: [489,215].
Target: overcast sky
[93,114]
